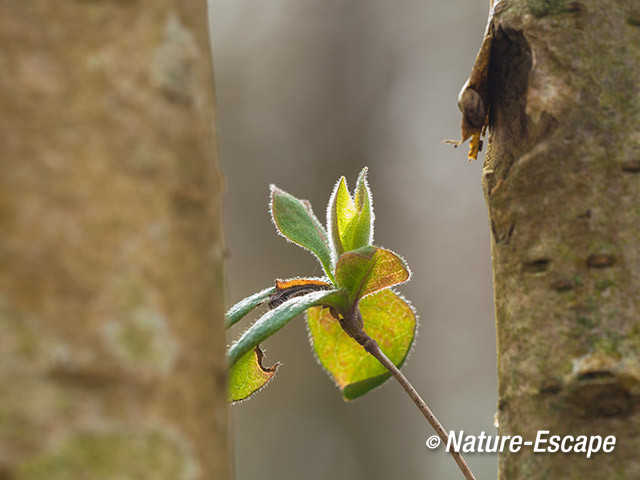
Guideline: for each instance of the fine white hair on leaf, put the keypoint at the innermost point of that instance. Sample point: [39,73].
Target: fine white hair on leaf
[362,177]
[275,190]
[370,195]
[329,223]
[406,264]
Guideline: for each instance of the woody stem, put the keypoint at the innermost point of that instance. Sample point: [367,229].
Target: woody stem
[371,346]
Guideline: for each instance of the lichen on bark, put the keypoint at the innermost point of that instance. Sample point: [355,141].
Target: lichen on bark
[563,197]
[111,298]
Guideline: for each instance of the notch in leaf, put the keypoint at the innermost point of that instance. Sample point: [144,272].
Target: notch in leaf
[360,330]
[275,319]
[355,270]
[248,375]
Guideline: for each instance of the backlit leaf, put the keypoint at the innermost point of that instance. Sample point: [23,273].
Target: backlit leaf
[388,319]
[248,375]
[369,269]
[359,233]
[350,220]
[296,221]
[340,212]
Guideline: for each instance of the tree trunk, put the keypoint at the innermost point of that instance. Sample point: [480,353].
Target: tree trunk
[562,185]
[111,251]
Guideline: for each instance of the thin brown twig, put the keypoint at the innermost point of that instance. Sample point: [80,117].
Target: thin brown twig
[371,346]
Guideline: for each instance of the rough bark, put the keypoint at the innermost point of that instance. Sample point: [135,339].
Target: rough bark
[111,251]
[562,185]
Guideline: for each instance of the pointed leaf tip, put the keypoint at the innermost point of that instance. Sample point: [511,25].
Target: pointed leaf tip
[350,219]
[360,232]
[362,189]
[340,212]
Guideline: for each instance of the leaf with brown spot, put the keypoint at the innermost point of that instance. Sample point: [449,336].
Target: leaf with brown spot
[248,375]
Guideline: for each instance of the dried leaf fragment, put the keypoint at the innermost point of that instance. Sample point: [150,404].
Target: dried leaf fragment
[473,100]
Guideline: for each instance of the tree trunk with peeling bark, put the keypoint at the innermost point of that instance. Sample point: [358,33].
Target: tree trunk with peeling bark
[111,251]
[562,185]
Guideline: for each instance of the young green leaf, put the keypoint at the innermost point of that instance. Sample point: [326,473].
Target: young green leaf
[275,319]
[295,221]
[340,212]
[350,220]
[359,233]
[244,306]
[248,375]
[388,319]
[369,269]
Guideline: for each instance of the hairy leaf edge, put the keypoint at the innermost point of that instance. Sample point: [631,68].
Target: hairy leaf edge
[328,269]
[404,360]
[245,306]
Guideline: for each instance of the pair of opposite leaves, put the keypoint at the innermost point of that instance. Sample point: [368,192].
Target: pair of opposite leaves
[358,274]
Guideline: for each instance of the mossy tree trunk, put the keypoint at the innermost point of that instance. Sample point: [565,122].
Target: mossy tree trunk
[562,185]
[111,332]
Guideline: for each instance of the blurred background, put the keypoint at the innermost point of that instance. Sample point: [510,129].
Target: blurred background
[309,90]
